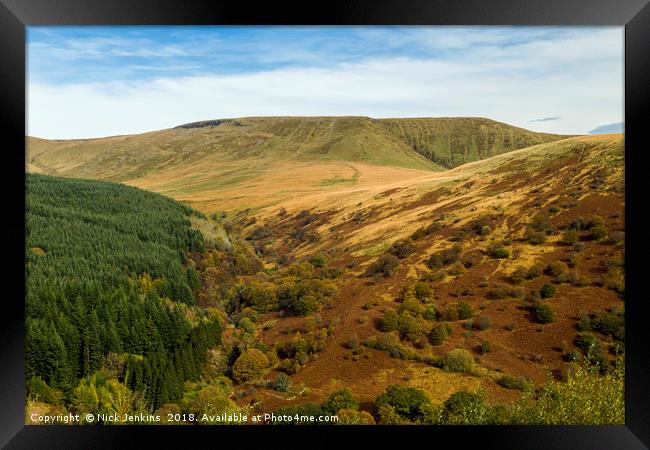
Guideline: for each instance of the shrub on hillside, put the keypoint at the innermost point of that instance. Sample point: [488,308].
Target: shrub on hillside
[458,360]
[402,248]
[353,342]
[430,313]
[444,257]
[342,399]
[247,325]
[318,260]
[406,401]
[464,311]
[547,291]
[509,382]
[497,251]
[385,266]
[607,323]
[486,347]
[423,292]
[261,296]
[485,230]
[439,333]
[282,383]
[410,326]
[252,364]
[464,408]
[556,269]
[483,323]
[534,271]
[471,259]
[390,321]
[598,232]
[544,313]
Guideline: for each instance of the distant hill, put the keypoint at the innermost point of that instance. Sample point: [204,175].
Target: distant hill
[452,141]
[254,162]
[618,127]
[438,143]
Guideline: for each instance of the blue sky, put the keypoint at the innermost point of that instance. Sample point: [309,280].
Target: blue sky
[99,81]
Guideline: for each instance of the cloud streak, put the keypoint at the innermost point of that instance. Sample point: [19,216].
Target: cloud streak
[546,119]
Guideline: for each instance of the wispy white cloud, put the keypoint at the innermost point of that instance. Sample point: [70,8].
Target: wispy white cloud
[546,119]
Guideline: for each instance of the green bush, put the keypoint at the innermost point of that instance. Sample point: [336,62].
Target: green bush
[262,297]
[509,382]
[423,292]
[486,347]
[406,401]
[610,324]
[439,333]
[592,350]
[305,305]
[547,290]
[464,408]
[458,360]
[342,399]
[464,311]
[282,383]
[247,325]
[390,321]
[497,251]
[430,313]
[585,341]
[318,260]
[410,325]
[544,313]
[598,232]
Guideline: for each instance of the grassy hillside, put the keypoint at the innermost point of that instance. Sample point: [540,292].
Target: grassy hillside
[257,140]
[453,141]
[107,284]
[259,162]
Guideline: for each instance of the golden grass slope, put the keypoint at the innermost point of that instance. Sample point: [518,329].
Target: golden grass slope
[395,208]
[261,162]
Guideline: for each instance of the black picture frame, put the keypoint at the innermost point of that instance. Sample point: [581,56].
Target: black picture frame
[16,15]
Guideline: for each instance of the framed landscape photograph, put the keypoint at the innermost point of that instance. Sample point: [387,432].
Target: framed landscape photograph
[392,220]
